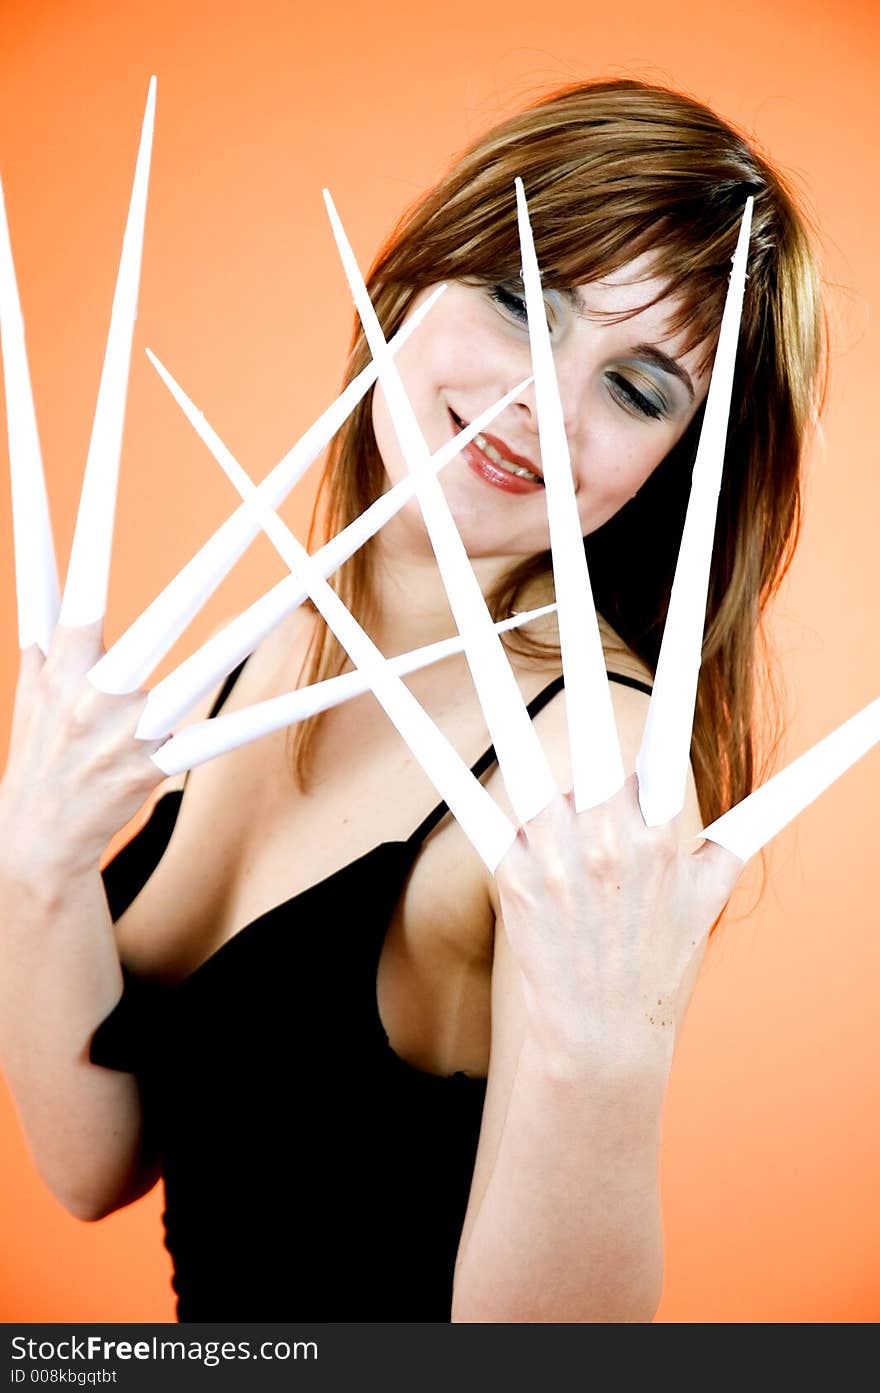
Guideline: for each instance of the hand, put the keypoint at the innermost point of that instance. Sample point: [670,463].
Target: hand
[608,920]
[76,773]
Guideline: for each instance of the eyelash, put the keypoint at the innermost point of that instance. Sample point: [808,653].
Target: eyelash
[633,399]
[514,304]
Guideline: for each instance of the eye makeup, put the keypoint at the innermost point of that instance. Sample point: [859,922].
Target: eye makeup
[507,298]
[645,399]
[651,403]
[506,295]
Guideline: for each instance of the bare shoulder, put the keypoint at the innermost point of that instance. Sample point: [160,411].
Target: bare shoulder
[166,923]
[171,784]
[619,657]
[263,670]
[630,705]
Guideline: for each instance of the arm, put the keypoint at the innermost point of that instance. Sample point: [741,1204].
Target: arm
[568,1228]
[564,1217]
[59,977]
[75,775]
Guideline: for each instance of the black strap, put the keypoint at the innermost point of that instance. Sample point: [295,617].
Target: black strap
[488,757]
[226,688]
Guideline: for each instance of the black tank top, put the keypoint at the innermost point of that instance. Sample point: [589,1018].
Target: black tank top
[310,1173]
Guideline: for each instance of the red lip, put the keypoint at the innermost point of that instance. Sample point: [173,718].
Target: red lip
[492,473]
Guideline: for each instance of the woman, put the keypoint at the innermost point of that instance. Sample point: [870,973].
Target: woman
[311,986]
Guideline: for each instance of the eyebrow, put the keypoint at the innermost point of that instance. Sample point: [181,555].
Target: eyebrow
[649,351]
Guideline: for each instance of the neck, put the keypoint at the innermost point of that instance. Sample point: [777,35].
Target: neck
[411,605]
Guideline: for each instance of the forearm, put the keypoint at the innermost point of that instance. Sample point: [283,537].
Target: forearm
[569,1228]
[59,977]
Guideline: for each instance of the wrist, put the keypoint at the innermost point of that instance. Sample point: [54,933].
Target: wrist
[634,1063]
[41,873]
[621,1108]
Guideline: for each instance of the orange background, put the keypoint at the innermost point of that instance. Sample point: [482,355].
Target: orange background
[772,1142]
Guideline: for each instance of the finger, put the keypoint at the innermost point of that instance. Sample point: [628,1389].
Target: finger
[151,748]
[30,665]
[717,864]
[691,845]
[74,648]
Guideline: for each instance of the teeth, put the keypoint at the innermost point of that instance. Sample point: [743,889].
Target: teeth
[497,458]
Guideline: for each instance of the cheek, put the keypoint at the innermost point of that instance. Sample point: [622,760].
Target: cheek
[621,464]
[440,369]
[615,468]
[426,400]
[386,440]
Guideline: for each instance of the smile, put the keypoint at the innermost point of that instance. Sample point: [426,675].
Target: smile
[490,460]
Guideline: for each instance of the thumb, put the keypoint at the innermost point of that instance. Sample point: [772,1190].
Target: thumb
[716,864]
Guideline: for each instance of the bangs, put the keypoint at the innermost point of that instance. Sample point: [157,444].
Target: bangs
[611,174]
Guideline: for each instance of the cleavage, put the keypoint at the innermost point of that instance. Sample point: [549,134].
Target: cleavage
[331,938]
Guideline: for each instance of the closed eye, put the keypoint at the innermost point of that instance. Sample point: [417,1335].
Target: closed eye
[632,399]
[509,300]
[514,304]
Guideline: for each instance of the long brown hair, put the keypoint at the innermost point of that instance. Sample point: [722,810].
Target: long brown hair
[612,170]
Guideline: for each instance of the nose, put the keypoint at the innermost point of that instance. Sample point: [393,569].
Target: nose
[572,386]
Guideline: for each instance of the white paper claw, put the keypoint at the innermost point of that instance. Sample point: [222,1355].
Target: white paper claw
[662,762]
[131,659]
[88,572]
[596,762]
[521,760]
[204,740]
[751,824]
[482,821]
[171,698]
[36,573]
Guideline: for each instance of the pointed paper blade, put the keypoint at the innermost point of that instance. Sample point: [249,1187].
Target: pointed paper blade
[521,760]
[596,763]
[88,572]
[664,754]
[128,663]
[171,698]
[482,821]
[36,574]
[205,740]
[751,824]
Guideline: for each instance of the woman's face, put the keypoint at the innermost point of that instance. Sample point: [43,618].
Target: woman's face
[628,393]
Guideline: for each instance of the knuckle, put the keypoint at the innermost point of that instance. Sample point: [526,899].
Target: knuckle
[81,712]
[554,874]
[149,775]
[602,858]
[54,679]
[106,757]
[71,723]
[508,875]
[665,843]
